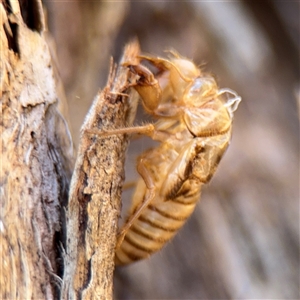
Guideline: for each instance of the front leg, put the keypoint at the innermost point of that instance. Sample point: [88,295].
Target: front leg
[197,160]
[208,158]
[147,86]
[151,94]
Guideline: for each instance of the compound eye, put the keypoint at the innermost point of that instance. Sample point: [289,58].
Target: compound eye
[197,86]
[202,87]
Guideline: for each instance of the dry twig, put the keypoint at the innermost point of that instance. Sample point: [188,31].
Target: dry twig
[94,201]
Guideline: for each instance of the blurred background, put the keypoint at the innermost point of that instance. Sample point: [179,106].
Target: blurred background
[242,242]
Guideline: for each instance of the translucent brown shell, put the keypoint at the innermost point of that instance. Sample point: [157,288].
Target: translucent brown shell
[194,123]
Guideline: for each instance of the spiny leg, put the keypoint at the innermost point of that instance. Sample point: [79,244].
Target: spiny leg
[165,65]
[160,63]
[179,171]
[147,86]
[206,161]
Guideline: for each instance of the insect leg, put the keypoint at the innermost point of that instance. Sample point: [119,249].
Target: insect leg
[207,160]
[198,159]
[147,86]
[150,190]
[165,65]
[149,196]
[148,130]
[180,170]
[160,63]
[145,130]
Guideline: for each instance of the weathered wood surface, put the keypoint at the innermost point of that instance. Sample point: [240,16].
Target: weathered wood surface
[39,255]
[94,203]
[36,158]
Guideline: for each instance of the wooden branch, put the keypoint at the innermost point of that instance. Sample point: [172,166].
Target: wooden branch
[94,201]
[35,158]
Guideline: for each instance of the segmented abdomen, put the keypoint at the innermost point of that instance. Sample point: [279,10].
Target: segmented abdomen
[157,224]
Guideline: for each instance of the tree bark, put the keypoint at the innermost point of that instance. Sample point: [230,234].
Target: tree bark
[95,193]
[36,165]
[36,158]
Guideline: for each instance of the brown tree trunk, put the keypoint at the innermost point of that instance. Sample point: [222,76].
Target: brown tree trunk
[35,159]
